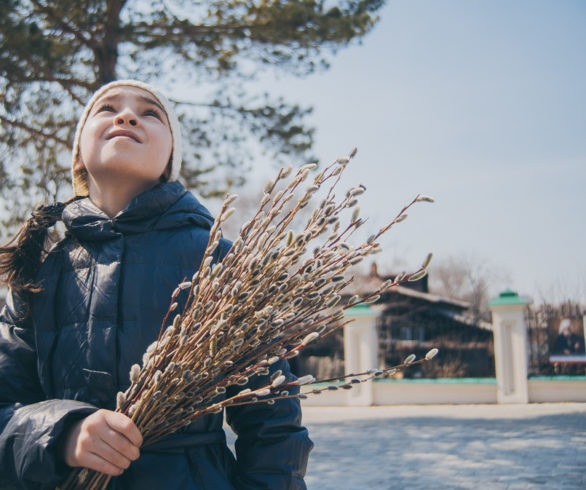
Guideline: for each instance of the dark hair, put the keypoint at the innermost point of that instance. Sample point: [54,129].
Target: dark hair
[21,257]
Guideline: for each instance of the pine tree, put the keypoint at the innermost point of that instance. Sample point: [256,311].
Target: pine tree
[54,54]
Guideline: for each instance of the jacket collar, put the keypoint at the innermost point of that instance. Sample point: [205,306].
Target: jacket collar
[167,205]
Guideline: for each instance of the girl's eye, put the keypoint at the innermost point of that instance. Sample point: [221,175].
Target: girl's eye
[106,108]
[152,112]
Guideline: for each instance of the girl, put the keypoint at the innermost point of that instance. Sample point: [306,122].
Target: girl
[75,322]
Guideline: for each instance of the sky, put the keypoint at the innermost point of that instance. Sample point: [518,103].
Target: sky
[482,105]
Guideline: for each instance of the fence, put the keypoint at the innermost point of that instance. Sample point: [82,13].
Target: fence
[556,339]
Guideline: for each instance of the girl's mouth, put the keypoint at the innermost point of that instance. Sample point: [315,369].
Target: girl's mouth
[123,133]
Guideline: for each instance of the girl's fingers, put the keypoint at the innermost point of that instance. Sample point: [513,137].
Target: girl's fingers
[125,426]
[103,439]
[110,454]
[119,443]
[95,462]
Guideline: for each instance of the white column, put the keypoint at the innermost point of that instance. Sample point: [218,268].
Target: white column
[584,329]
[511,354]
[360,351]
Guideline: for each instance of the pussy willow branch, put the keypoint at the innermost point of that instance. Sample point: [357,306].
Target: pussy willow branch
[264,302]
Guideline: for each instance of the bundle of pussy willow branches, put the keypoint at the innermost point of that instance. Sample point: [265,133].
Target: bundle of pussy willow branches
[264,301]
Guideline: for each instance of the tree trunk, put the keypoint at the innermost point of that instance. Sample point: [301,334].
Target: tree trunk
[107,52]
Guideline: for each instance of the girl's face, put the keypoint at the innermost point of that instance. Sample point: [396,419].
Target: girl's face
[126,138]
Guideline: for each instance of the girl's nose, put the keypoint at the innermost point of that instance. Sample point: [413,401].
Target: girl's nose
[125,117]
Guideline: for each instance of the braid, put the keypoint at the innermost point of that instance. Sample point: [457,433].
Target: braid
[21,257]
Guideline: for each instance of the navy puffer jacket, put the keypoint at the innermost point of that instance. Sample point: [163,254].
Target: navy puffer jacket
[106,288]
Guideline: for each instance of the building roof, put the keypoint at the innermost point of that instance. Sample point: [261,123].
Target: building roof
[452,308]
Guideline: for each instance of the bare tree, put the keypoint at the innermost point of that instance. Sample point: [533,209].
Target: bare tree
[468,279]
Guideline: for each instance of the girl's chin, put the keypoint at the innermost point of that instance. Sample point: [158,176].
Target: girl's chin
[125,168]
[115,178]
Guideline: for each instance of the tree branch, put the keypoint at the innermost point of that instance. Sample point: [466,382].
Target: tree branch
[49,76]
[33,131]
[205,104]
[174,31]
[79,35]
[239,109]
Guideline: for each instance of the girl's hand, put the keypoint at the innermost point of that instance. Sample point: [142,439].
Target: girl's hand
[105,441]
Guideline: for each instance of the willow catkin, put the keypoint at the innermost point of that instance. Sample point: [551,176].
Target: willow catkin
[263,303]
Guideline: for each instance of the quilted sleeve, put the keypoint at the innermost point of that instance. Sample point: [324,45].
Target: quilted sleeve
[30,424]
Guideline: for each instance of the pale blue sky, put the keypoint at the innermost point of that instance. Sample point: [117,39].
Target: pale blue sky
[481,104]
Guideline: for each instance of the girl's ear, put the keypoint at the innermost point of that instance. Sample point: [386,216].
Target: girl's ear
[78,164]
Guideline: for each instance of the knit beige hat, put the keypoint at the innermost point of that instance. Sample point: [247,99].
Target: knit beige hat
[79,176]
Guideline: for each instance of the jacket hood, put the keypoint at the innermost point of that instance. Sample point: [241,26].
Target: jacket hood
[165,206]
